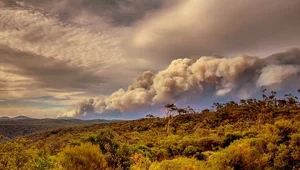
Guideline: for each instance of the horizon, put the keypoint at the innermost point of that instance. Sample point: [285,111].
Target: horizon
[62,118]
[126,59]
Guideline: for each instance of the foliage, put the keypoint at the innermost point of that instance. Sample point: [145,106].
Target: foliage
[178,164]
[250,134]
[245,154]
[83,157]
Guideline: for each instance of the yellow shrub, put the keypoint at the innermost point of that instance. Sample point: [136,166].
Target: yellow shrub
[140,162]
[178,164]
[245,154]
[83,157]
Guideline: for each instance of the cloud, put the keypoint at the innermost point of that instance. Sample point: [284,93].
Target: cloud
[275,74]
[57,54]
[35,103]
[281,70]
[47,72]
[185,78]
[32,103]
[114,12]
[34,112]
[93,48]
[41,54]
[200,27]
[42,34]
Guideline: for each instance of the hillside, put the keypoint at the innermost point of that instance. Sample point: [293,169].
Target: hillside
[4,117]
[21,125]
[250,134]
[21,117]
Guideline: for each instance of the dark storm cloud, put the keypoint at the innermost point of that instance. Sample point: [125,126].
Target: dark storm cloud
[48,72]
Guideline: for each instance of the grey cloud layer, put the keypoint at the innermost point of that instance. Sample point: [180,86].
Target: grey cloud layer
[51,54]
[215,27]
[35,32]
[48,72]
[237,76]
[115,12]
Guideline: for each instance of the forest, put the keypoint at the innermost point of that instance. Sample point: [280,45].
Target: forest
[11,127]
[250,134]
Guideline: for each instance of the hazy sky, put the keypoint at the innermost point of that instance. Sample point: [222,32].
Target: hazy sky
[127,58]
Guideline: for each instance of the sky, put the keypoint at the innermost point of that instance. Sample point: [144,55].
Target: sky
[128,58]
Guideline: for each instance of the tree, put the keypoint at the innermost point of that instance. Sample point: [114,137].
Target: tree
[150,116]
[190,110]
[181,111]
[171,111]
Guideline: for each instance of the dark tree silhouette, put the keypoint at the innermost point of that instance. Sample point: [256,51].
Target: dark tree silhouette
[150,116]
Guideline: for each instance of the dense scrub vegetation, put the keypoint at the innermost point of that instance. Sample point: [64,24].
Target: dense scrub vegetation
[250,134]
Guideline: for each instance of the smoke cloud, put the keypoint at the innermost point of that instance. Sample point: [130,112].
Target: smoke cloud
[217,76]
[72,48]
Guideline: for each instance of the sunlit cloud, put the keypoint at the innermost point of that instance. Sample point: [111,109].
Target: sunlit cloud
[58,53]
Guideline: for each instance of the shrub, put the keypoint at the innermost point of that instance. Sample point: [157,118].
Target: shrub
[204,143]
[295,145]
[230,138]
[84,157]
[14,156]
[159,154]
[140,162]
[179,164]
[192,151]
[240,155]
[285,128]
[43,160]
[123,158]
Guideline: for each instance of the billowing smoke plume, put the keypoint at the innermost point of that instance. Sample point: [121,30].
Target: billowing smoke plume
[215,76]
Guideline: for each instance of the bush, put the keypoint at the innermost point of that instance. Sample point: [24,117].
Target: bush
[295,153]
[14,156]
[123,158]
[84,157]
[230,138]
[285,128]
[43,160]
[242,154]
[178,164]
[192,151]
[159,154]
[140,162]
[204,143]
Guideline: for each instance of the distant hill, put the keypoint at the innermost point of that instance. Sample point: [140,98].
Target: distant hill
[16,118]
[23,125]
[21,117]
